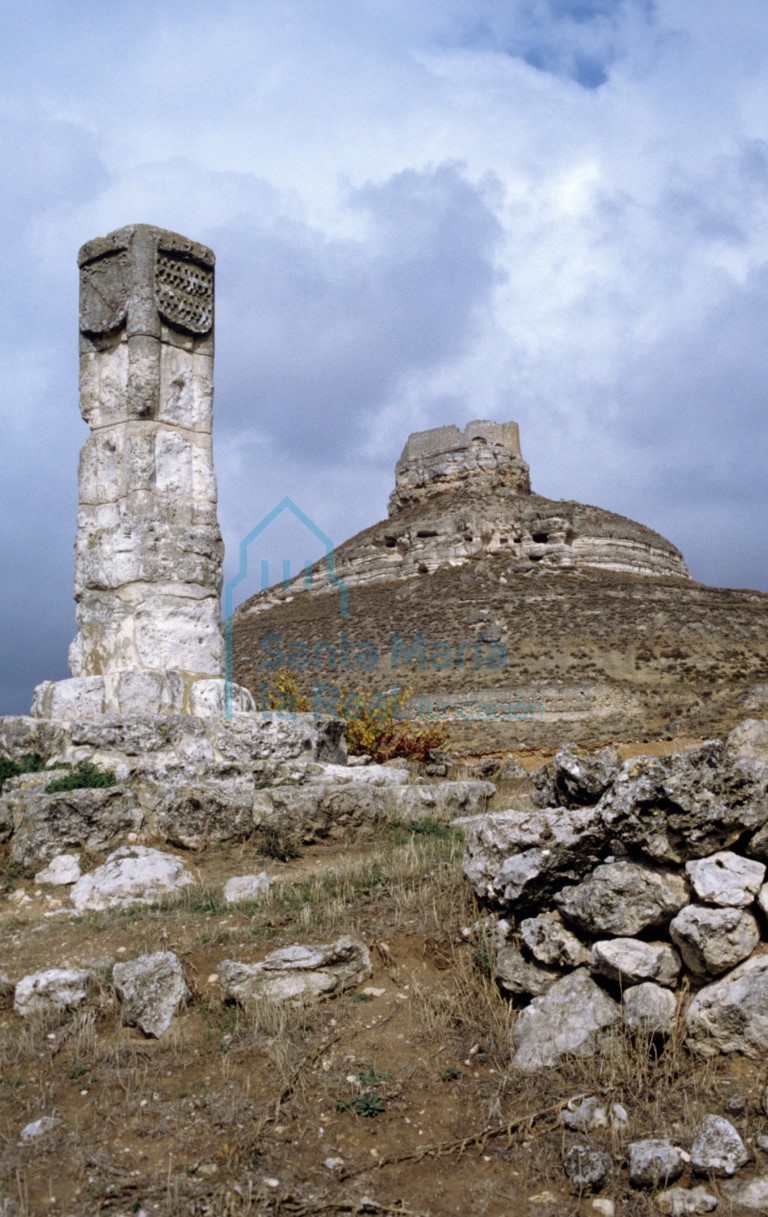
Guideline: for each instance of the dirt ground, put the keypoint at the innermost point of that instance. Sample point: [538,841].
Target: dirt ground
[396,1098]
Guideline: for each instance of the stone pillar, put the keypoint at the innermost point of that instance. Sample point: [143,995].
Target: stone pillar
[148,554]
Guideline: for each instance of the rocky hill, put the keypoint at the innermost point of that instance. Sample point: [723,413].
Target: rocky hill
[517,620]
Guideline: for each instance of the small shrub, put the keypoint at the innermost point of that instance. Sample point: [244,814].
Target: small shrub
[375,727]
[84,776]
[429,827]
[283,694]
[31,763]
[368,1103]
[281,846]
[452,1074]
[370,1077]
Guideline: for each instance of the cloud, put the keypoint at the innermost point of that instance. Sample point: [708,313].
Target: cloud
[553,211]
[317,334]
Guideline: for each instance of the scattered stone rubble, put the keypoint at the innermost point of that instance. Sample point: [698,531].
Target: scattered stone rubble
[193,782]
[626,885]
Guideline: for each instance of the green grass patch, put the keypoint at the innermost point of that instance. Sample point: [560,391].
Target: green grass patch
[31,763]
[84,776]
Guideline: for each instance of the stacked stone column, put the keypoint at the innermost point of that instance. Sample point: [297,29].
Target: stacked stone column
[148,555]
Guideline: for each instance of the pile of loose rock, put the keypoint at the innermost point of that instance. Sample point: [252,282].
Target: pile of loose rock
[624,881]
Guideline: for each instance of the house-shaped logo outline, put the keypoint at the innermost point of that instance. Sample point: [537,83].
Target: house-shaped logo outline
[285,504]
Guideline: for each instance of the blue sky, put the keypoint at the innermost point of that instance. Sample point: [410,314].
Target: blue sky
[548,210]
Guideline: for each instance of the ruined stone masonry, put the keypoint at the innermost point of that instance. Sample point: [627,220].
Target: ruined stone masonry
[148,555]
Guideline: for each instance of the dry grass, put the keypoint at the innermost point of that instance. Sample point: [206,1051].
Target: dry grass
[235,1111]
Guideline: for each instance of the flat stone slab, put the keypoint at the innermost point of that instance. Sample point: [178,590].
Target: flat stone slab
[297,974]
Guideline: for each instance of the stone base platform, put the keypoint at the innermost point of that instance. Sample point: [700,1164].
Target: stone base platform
[139,693]
[193,782]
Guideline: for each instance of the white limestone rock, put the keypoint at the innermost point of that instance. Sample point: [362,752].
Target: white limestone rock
[654,1162]
[649,1009]
[748,1194]
[354,773]
[726,879]
[246,887]
[623,898]
[550,942]
[40,1128]
[591,1113]
[151,991]
[567,1020]
[55,992]
[717,1148]
[61,871]
[297,974]
[711,940]
[630,961]
[731,1014]
[438,800]
[686,1202]
[133,874]
[749,739]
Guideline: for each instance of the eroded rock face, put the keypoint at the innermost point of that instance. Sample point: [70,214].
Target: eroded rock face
[51,824]
[298,973]
[214,810]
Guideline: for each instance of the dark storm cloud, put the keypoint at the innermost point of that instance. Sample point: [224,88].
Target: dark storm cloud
[316,334]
